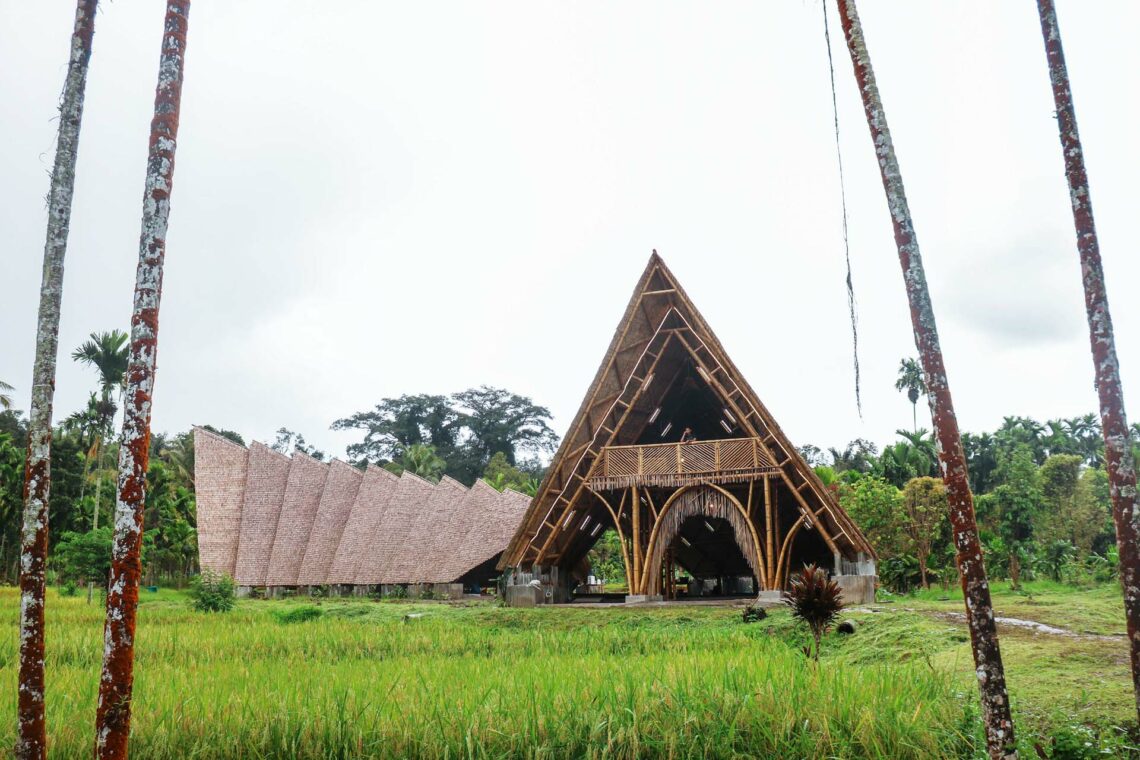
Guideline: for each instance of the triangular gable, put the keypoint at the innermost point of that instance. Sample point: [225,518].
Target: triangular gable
[661,320]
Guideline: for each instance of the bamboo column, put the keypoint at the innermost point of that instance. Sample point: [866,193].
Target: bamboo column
[769,529]
[113,715]
[975,586]
[1114,423]
[635,514]
[31,741]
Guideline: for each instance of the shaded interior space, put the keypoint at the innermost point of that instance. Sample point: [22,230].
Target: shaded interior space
[687,402]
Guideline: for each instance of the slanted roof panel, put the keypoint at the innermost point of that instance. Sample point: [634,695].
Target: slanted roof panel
[481,513]
[219,472]
[341,487]
[302,497]
[407,565]
[411,496]
[372,499]
[265,482]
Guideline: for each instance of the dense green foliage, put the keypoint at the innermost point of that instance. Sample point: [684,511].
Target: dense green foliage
[211,592]
[465,430]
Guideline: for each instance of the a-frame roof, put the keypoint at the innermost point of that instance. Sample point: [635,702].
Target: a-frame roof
[660,331]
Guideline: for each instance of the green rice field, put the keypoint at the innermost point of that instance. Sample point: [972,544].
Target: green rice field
[357,678]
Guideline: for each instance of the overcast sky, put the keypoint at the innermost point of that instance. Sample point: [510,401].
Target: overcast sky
[374,199]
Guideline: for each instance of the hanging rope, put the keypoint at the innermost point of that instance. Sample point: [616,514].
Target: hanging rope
[843,198]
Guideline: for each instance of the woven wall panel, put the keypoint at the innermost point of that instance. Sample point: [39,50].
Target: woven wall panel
[339,495]
[302,498]
[265,482]
[372,499]
[473,547]
[220,473]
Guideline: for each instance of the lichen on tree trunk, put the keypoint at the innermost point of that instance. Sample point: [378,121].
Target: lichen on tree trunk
[975,586]
[1114,424]
[113,717]
[31,741]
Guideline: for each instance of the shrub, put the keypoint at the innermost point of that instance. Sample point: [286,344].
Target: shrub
[397,592]
[814,599]
[299,614]
[212,592]
[69,588]
[754,613]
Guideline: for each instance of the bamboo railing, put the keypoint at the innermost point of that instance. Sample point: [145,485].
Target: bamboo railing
[731,460]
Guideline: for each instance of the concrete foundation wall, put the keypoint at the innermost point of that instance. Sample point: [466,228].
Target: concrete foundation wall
[523,596]
[857,589]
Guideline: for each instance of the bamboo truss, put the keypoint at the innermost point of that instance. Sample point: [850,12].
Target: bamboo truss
[663,342]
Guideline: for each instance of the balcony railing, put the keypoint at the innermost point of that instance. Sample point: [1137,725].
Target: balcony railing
[732,460]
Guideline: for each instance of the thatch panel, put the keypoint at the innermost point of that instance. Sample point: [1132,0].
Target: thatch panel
[302,497]
[412,493]
[446,552]
[407,565]
[481,512]
[219,474]
[372,499]
[430,565]
[339,494]
[265,482]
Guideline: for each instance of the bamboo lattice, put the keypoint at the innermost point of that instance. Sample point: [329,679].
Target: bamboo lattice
[732,460]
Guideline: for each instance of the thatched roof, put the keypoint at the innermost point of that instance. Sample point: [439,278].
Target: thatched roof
[302,497]
[661,344]
[407,564]
[372,499]
[265,483]
[268,519]
[332,514]
[220,466]
[468,526]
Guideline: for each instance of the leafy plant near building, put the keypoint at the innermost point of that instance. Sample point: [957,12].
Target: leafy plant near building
[814,599]
[212,592]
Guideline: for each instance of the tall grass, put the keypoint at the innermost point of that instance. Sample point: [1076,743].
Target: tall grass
[481,682]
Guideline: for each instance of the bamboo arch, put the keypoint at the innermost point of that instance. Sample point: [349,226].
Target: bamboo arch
[706,499]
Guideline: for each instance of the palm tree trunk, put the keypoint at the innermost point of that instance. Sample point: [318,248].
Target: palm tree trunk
[31,741]
[113,716]
[975,586]
[1114,424]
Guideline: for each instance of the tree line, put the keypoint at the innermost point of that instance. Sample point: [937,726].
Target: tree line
[1042,498]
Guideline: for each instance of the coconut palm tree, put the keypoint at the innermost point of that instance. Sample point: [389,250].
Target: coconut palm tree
[107,353]
[5,399]
[912,381]
[422,460]
[31,741]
